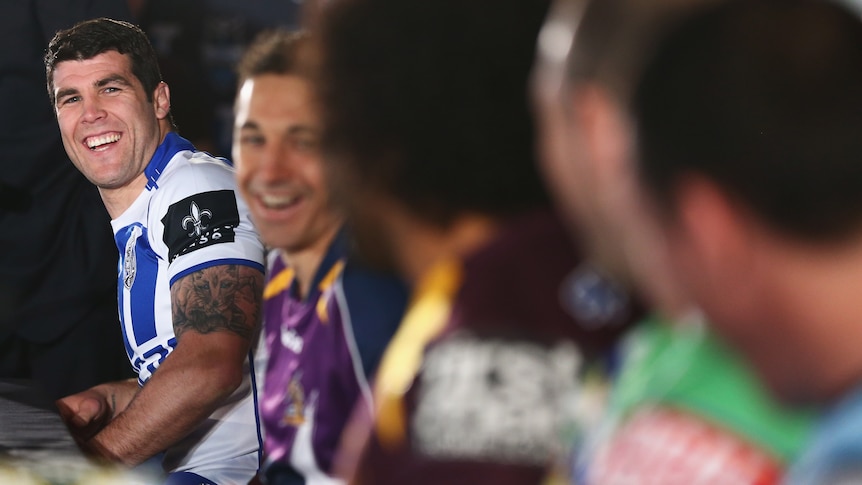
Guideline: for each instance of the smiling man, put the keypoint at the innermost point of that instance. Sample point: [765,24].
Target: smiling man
[326,319]
[190,273]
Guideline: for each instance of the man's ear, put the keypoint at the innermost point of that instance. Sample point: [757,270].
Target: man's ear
[606,132]
[162,100]
[718,230]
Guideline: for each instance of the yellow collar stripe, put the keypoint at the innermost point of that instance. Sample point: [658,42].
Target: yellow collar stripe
[330,277]
[425,319]
[325,283]
[278,283]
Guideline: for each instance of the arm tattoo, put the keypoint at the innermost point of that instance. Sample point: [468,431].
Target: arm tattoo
[225,297]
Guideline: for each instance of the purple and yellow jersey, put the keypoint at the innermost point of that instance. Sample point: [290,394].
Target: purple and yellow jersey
[322,351]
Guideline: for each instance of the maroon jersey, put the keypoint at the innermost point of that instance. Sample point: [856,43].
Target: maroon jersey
[479,383]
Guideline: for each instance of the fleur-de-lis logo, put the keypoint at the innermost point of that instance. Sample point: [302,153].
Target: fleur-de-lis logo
[196,220]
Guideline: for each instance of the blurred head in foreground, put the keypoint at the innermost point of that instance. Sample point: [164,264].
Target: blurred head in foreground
[589,56]
[748,118]
[426,118]
[429,139]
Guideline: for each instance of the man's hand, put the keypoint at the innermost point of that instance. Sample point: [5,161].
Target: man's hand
[89,412]
[85,413]
[216,313]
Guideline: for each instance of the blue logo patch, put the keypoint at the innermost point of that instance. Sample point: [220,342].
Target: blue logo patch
[593,299]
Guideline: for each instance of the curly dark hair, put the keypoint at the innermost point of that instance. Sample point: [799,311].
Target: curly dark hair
[427,102]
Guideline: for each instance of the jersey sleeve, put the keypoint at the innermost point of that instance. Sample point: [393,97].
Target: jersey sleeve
[200,220]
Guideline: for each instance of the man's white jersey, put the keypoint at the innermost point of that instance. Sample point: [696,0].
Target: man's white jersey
[188,218]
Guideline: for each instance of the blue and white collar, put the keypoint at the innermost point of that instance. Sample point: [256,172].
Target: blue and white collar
[172,145]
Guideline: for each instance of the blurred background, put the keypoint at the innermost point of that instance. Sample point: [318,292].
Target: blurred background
[199,43]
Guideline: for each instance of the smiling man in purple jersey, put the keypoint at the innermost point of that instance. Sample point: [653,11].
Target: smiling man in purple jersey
[326,320]
[190,272]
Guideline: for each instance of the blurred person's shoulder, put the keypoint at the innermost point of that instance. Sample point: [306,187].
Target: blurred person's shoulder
[532,283]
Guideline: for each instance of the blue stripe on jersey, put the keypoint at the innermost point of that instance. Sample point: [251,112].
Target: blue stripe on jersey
[217,262]
[142,294]
[187,478]
[164,153]
[120,306]
[257,420]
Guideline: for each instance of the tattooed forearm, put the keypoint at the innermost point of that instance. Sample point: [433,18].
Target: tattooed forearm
[226,297]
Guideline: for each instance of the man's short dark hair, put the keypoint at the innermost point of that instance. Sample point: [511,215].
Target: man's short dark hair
[764,98]
[276,51]
[90,38]
[427,102]
[613,38]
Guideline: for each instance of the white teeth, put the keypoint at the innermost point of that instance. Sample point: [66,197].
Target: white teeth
[98,141]
[277,201]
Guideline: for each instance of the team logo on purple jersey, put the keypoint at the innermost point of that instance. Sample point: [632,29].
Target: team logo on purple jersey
[294,412]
